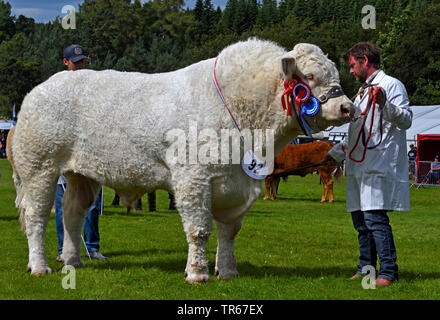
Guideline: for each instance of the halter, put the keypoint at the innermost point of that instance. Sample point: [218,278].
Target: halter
[307,105]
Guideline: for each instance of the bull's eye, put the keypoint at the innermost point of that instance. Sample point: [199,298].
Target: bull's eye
[309,77]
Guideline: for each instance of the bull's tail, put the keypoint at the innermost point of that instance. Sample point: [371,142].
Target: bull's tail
[21,208]
[338,174]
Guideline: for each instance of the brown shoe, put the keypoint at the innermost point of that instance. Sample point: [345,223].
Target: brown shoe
[381,282]
[356,276]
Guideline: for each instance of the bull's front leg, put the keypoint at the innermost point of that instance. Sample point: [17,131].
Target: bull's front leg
[35,231]
[193,201]
[225,262]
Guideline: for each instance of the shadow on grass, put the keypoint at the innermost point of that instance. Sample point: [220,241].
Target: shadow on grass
[304,199]
[245,269]
[112,211]
[9,218]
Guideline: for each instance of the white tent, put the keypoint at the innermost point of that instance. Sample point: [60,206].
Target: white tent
[426,119]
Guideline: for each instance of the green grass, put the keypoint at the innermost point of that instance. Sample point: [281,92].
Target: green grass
[291,248]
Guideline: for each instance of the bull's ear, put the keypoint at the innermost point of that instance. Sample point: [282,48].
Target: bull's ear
[288,67]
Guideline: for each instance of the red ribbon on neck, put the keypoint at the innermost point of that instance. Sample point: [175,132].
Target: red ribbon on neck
[289,86]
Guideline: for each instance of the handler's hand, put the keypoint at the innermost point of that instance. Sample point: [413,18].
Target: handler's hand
[328,160]
[380,95]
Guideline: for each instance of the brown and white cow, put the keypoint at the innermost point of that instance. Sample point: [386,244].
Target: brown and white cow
[296,159]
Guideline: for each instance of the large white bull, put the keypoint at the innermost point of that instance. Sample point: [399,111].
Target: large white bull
[110,128]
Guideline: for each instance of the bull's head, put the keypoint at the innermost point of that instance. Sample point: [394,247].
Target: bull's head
[319,73]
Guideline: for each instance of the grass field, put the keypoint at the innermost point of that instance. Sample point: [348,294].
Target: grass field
[291,248]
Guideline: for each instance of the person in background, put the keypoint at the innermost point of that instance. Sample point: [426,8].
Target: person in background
[74,59]
[434,173]
[412,154]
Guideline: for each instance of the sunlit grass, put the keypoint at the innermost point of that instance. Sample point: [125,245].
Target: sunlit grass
[291,248]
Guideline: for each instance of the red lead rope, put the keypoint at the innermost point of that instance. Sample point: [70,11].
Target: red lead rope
[371,103]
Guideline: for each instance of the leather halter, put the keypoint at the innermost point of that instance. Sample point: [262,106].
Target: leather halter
[306,97]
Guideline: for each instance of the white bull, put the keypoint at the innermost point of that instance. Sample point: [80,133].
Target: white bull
[108,127]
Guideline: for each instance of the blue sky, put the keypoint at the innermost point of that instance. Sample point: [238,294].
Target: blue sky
[47,10]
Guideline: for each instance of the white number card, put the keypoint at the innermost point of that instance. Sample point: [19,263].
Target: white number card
[255,167]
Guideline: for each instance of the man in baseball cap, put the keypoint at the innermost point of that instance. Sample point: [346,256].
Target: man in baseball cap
[74,57]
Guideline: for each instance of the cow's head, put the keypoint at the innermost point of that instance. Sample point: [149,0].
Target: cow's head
[308,62]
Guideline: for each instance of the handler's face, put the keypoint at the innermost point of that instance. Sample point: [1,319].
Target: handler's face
[358,69]
[72,66]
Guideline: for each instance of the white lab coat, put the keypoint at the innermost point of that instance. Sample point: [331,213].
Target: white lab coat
[380,182]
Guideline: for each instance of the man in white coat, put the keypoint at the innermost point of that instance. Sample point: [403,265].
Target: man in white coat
[376,161]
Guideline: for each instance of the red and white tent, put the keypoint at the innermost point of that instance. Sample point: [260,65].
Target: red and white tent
[428,146]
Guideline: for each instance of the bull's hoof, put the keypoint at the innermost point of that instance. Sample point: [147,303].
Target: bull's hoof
[227,275]
[265,198]
[197,278]
[39,270]
[76,263]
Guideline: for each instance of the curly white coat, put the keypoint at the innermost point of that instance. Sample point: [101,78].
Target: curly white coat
[108,127]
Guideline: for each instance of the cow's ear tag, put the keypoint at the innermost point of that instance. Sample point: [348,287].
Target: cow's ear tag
[255,167]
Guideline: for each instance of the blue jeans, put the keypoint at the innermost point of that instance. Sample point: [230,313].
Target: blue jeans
[91,223]
[376,239]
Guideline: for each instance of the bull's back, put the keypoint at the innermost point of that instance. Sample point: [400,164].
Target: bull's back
[96,121]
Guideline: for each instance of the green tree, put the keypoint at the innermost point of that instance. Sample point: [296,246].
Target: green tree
[25,25]
[229,13]
[134,58]
[268,14]
[7,26]
[17,77]
[411,52]
[199,10]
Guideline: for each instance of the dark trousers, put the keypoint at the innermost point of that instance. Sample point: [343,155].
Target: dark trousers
[376,239]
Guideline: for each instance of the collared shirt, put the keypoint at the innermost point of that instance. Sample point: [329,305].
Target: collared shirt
[368,82]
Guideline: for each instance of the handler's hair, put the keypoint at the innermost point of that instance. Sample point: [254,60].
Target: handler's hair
[361,49]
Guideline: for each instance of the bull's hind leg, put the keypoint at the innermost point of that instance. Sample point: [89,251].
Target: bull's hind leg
[275,185]
[268,184]
[193,201]
[225,262]
[327,182]
[38,197]
[80,194]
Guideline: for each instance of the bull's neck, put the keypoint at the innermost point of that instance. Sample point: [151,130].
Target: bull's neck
[255,102]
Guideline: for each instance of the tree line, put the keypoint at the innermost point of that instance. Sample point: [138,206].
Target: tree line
[163,35]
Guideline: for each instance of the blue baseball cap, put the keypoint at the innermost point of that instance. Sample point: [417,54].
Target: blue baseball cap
[74,53]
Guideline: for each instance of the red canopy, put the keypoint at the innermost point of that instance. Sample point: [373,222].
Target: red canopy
[428,146]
